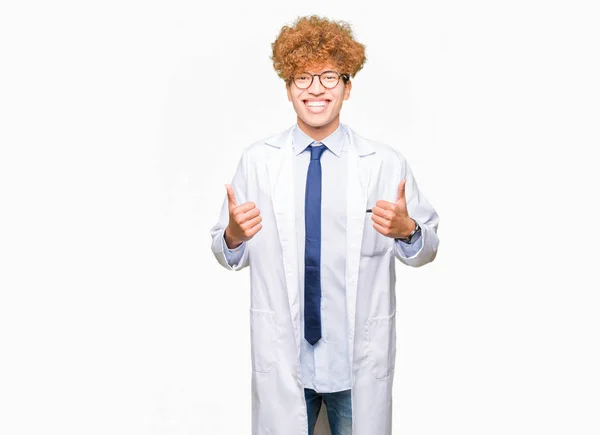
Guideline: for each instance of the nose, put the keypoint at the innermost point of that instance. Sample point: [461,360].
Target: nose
[316,87]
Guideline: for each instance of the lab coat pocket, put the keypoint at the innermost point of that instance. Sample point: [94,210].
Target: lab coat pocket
[263,339]
[381,345]
[373,242]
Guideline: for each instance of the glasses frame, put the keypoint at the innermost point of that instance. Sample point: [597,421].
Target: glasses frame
[312,79]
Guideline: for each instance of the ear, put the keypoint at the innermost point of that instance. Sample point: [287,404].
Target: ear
[347,89]
[289,91]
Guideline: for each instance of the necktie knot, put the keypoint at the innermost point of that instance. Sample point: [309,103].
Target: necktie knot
[317,150]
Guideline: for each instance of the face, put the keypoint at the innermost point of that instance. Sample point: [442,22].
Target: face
[318,108]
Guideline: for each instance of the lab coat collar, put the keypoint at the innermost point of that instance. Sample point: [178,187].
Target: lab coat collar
[334,142]
[362,146]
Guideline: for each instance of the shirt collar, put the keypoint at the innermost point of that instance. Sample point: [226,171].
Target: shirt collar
[333,142]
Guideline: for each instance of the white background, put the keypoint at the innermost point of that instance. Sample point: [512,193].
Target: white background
[120,123]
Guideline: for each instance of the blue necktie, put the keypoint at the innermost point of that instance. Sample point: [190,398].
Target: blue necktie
[312,251]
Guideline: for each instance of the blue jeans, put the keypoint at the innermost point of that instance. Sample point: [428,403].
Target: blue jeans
[339,410]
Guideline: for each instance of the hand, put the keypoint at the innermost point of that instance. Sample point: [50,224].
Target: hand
[391,218]
[244,220]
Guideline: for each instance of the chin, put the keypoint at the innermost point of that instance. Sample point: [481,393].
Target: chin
[317,123]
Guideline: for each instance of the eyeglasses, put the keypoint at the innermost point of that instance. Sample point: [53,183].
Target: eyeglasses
[329,79]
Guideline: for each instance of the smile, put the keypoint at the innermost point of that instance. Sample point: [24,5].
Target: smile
[316,106]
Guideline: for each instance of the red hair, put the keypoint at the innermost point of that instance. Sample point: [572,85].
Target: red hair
[312,42]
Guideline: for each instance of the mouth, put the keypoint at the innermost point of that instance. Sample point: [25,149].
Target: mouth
[316,106]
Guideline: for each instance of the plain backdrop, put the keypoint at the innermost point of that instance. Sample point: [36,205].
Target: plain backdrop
[120,123]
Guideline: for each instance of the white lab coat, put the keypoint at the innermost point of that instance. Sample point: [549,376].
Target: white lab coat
[264,176]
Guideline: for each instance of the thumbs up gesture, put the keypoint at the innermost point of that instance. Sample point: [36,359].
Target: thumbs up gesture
[391,218]
[244,220]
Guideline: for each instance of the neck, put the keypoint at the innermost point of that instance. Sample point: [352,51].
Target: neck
[319,133]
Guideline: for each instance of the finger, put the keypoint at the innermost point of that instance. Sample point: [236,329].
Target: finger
[381,221]
[382,230]
[244,217]
[251,223]
[381,212]
[386,205]
[231,197]
[244,208]
[255,229]
[401,191]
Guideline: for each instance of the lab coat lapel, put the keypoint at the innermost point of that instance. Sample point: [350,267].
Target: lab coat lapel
[280,169]
[359,177]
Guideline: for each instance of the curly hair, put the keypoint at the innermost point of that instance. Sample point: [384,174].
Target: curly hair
[313,42]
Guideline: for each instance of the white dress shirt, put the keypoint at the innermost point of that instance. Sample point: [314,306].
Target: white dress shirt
[325,366]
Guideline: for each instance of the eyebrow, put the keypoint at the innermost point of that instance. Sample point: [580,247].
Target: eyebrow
[323,70]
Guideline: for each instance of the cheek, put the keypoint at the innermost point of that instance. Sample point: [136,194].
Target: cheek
[297,104]
[294,99]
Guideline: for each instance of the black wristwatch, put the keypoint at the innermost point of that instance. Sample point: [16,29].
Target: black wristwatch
[412,235]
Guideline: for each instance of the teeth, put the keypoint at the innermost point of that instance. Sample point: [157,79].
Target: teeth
[316,103]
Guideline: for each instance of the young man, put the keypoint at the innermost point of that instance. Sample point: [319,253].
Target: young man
[319,214]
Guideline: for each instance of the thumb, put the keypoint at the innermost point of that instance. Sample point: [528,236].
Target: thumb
[231,196]
[401,191]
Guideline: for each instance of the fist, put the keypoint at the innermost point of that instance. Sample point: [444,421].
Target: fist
[391,218]
[244,220]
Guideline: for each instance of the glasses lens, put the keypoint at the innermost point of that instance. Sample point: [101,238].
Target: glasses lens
[330,79]
[302,80]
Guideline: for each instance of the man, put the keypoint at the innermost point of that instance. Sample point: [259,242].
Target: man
[319,214]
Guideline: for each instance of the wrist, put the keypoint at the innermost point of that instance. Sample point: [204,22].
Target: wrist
[408,238]
[412,226]
[231,242]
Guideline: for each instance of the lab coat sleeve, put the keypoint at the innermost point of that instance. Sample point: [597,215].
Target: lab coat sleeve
[408,250]
[217,232]
[233,256]
[424,249]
